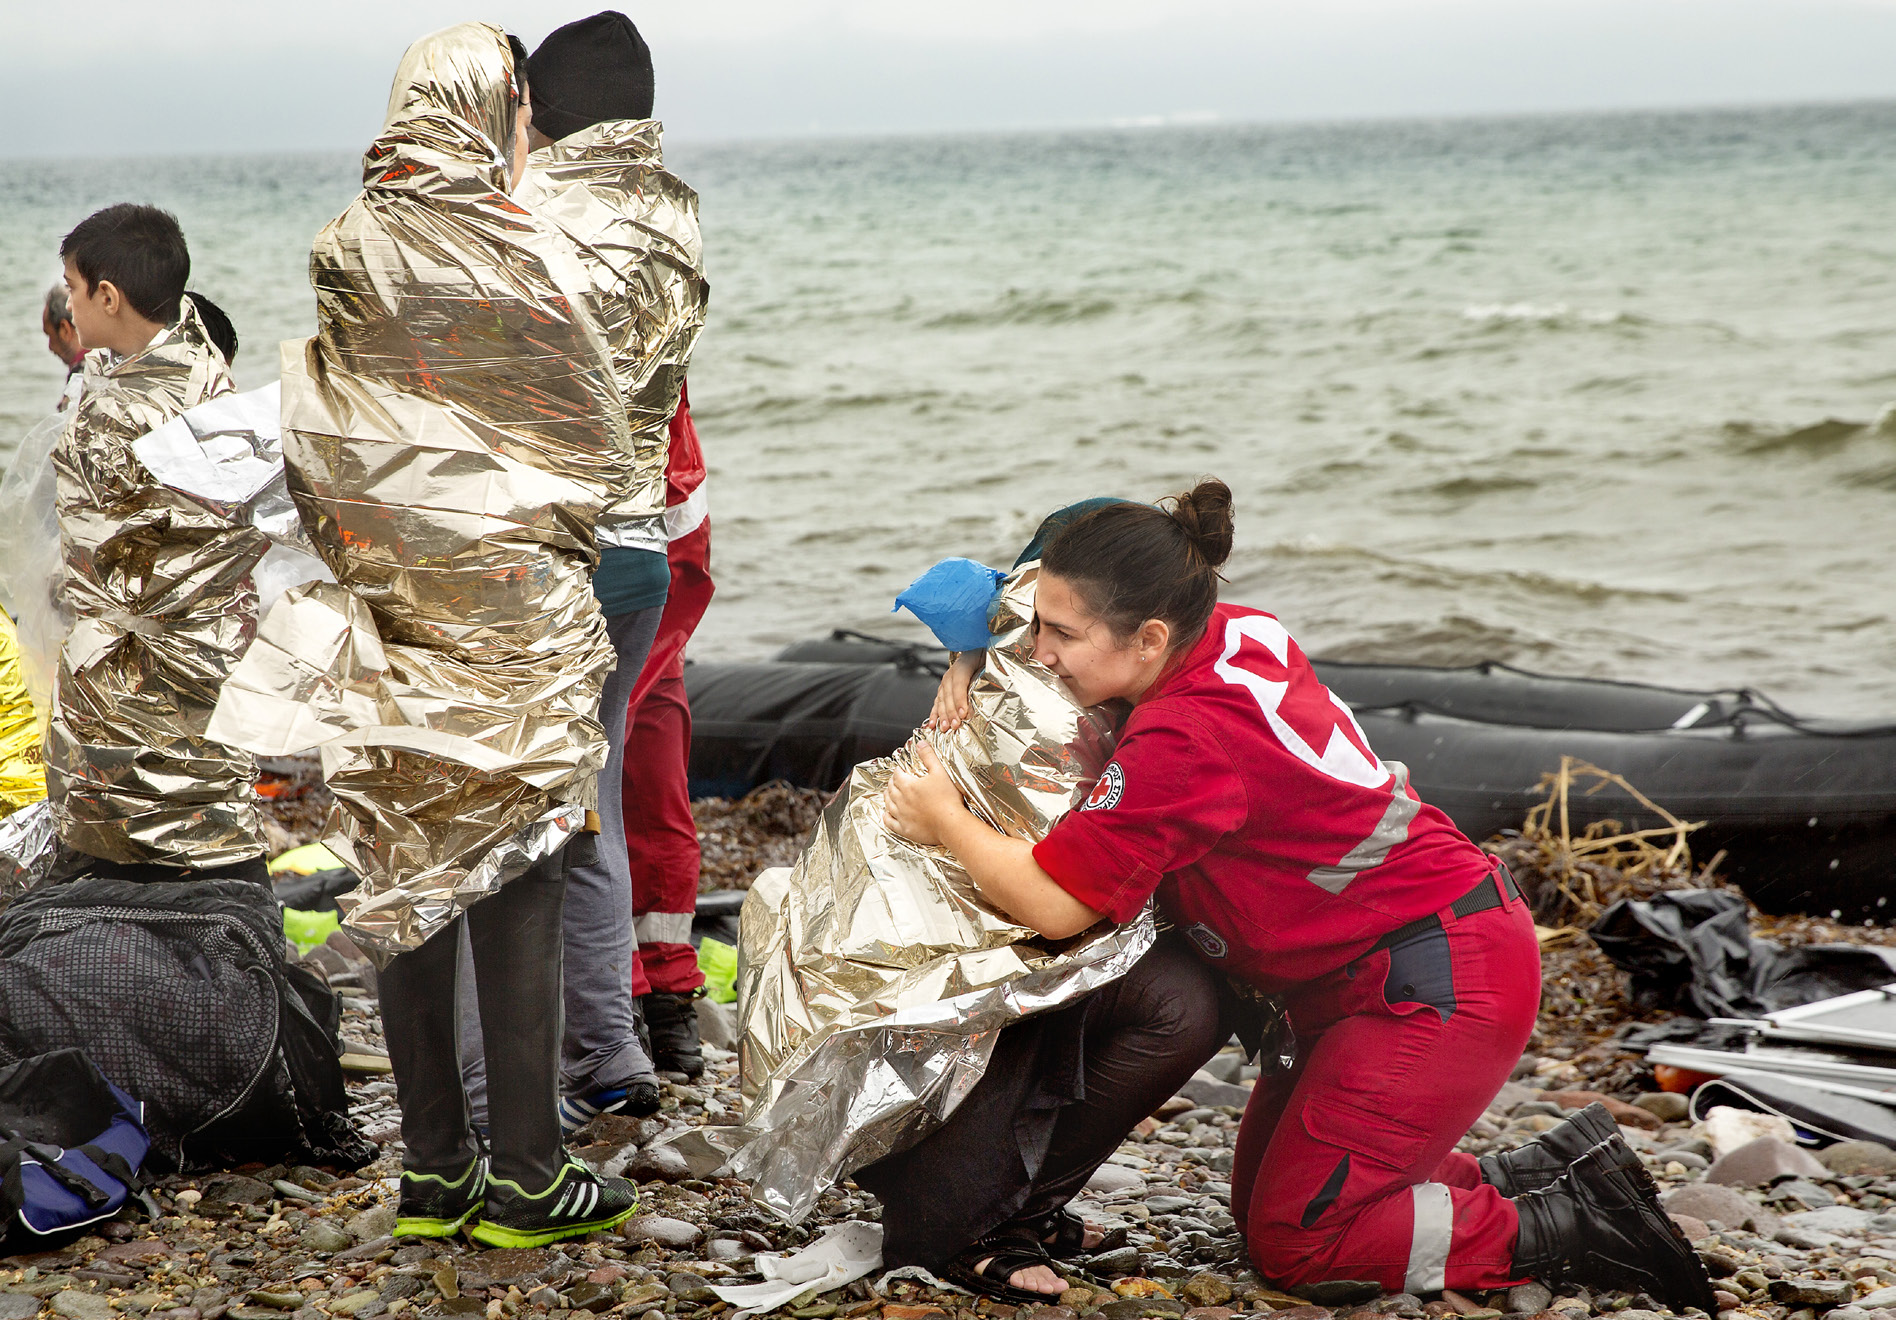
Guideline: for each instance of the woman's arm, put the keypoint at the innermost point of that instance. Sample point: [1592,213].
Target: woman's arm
[927,809]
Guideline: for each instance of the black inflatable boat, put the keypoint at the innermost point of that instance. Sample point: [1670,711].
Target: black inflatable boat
[1805,810]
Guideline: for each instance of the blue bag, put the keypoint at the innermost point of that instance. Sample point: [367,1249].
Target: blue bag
[953,599]
[73,1145]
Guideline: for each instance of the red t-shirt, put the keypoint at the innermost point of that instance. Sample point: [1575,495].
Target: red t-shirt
[1244,793]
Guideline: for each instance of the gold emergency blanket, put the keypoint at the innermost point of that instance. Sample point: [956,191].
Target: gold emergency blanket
[636,224]
[160,587]
[449,435]
[872,978]
[22,776]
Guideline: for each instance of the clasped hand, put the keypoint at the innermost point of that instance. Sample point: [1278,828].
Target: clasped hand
[919,807]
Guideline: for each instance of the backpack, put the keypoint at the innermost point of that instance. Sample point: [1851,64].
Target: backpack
[179,992]
[71,1146]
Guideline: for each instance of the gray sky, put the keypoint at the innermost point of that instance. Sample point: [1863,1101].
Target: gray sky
[133,77]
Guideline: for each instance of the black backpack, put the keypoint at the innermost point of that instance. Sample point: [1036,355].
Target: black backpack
[179,992]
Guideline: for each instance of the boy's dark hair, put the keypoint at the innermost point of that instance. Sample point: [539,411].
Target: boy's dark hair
[140,249]
[588,72]
[217,325]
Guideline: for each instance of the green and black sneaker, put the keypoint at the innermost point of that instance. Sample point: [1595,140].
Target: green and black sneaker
[433,1207]
[579,1202]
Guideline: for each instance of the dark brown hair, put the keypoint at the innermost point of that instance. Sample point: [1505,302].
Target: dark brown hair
[138,248]
[1133,562]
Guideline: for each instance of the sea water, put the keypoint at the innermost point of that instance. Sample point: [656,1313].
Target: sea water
[1589,394]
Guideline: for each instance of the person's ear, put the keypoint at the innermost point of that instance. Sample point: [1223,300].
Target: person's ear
[1154,636]
[111,301]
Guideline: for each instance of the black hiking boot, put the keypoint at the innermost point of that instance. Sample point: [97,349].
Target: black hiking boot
[672,1021]
[1600,1224]
[578,1203]
[434,1207]
[1534,1165]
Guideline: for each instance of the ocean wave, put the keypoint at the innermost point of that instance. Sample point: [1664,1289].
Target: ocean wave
[1818,440]
[1549,314]
[1412,574]
[1017,308]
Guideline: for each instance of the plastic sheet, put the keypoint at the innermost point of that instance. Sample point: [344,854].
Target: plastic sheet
[22,777]
[1691,950]
[29,552]
[953,598]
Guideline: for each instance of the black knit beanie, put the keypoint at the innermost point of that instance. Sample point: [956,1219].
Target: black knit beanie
[590,71]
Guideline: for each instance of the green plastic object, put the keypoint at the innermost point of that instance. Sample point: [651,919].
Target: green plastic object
[308,929]
[718,961]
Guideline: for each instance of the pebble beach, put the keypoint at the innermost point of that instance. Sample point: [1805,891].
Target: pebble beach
[1786,1235]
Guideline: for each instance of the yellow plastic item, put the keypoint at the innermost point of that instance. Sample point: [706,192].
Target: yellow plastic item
[22,773]
[307,860]
[308,929]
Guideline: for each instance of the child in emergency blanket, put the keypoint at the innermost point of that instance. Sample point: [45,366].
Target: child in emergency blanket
[1287,856]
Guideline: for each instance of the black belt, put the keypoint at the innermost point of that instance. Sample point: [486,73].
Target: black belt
[1493,890]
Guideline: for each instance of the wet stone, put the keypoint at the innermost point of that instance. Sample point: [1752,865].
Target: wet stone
[1762,1162]
[235,1189]
[1811,1292]
[377,1221]
[510,1265]
[1206,1290]
[657,1164]
[325,1237]
[666,1232]
[1123,1261]
[1053,1313]
[588,1296]
[1529,1297]
[690,1288]
[1848,1158]
[81,1306]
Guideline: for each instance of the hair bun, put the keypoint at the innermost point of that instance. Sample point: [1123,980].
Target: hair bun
[1204,512]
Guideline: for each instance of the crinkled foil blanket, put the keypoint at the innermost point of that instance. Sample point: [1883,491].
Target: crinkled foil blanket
[636,227]
[872,978]
[449,467]
[161,589]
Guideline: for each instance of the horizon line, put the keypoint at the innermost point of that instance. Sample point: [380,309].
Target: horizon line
[1200,121]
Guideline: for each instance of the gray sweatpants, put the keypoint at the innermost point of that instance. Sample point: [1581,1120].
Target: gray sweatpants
[599,1048]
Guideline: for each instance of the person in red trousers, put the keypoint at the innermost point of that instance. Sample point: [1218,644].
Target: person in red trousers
[661,839]
[1286,858]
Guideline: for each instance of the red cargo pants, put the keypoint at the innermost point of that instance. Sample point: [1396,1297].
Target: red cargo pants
[661,839]
[1345,1167]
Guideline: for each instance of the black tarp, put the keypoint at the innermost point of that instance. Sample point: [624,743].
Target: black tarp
[1692,951]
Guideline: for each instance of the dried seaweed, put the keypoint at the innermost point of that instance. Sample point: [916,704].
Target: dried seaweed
[766,827]
[1570,879]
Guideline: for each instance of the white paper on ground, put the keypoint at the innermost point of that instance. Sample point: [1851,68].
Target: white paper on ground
[845,1253]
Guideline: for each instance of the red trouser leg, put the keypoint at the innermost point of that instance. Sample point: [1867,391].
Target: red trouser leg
[661,838]
[1344,1167]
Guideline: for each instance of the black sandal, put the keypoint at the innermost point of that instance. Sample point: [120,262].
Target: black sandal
[1063,1233]
[1007,1250]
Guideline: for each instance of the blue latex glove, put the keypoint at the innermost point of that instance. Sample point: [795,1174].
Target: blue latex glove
[953,598]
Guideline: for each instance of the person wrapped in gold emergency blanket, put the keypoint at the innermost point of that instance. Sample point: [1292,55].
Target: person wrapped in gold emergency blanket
[159,583]
[451,435]
[873,978]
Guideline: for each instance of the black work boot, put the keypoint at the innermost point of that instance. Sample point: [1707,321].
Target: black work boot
[1540,1161]
[672,1021]
[1600,1224]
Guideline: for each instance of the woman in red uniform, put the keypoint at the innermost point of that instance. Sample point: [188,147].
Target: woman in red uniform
[1286,856]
